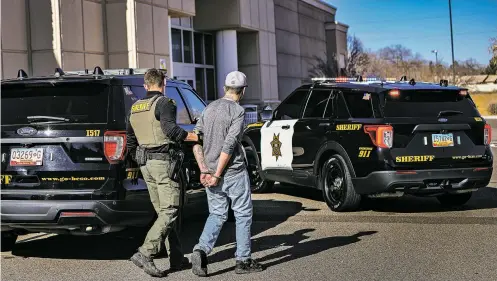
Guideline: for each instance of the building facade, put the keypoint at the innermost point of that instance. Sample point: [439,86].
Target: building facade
[275,42]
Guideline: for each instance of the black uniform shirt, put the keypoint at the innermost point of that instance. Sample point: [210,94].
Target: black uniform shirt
[165,112]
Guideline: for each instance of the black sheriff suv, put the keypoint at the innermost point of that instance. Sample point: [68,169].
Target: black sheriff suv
[63,145]
[352,138]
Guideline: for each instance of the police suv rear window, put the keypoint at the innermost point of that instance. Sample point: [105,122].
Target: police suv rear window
[428,103]
[65,102]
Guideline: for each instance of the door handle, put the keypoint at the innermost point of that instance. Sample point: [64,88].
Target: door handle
[324,124]
[285,127]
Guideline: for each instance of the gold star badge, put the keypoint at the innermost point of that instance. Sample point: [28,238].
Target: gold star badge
[276,145]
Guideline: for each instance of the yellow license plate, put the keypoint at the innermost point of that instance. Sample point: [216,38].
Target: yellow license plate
[442,140]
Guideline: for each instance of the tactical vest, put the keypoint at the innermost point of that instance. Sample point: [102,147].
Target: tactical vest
[146,127]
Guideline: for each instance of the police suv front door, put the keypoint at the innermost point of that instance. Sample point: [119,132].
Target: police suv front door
[277,134]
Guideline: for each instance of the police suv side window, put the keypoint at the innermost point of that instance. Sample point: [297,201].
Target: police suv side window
[317,103]
[360,104]
[340,107]
[290,108]
[196,106]
[182,116]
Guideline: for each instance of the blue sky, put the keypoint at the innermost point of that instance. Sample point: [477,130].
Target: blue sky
[423,25]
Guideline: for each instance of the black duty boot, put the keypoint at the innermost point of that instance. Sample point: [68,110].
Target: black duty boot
[248,266]
[147,264]
[199,263]
[184,263]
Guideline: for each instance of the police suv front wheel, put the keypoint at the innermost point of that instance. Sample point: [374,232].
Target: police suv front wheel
[337,186]
[451,200]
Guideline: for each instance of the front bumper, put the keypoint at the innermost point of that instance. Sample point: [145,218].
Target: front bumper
[423,181]
[36,215]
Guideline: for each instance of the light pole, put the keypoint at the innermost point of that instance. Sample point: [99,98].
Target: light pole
[452,44]
[436,61]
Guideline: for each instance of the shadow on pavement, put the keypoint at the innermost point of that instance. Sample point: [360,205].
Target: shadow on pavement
[484,198]
[296,247]
[122,245]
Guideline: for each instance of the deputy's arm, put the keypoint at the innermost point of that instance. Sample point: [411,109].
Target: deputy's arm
[166,114]
[131,141]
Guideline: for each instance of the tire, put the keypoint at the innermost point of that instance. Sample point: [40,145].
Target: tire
[257,183]
[338,189]
[451,200]
[9,239]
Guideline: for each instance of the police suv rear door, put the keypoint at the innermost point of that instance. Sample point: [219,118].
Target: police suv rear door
[59,135]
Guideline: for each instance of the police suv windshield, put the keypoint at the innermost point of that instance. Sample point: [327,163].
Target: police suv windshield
[428,103]
[47,103]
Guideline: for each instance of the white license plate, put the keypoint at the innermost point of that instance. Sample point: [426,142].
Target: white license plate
[442,140]
[26,157]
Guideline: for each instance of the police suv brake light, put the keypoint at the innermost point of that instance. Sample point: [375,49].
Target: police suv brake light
[381,135]
[487,134]
[114,146]
[394,93]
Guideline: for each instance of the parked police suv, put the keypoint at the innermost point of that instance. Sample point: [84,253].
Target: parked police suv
[63,143]
[352,138]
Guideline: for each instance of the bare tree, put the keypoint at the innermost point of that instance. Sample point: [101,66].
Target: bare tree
[324,68]
[358,59]
[492,65]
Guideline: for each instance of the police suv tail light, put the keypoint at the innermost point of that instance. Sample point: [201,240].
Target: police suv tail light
[114,146]
[487,134]
[381,135]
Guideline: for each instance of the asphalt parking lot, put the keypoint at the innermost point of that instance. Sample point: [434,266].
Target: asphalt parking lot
[298,238]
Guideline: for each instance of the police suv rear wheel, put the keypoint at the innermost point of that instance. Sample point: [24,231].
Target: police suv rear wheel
[450,200]
[9,239]
[337,186]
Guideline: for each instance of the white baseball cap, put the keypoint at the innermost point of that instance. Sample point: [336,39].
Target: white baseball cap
[236,79]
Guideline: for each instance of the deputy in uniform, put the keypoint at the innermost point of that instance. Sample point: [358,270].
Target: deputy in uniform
[151,132]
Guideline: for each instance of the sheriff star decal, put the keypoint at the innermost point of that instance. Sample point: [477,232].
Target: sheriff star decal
[276,145]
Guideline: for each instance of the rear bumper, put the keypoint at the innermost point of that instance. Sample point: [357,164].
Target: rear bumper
[36,215]
[423,181]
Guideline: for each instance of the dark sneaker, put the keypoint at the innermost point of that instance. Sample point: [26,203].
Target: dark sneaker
[199,263]
[248,266]
[147,264]
[184,264]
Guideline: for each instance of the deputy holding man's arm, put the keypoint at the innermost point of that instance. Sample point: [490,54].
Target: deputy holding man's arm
[151,134]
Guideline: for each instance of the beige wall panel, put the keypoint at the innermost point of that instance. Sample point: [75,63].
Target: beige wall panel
[263,14]
[189,6]
[161,3]
[289,66]
[311,47]
[305,9]
[92,60]
[245,13]
[272,49]
[307,64]
[265,82]
[287,42]
[73,61]
[93,26]
[14,25]
[270,16]
[12,62]
[44,63]
[72,25]
[287,85]
[254,80]
[175,4]
[116,27]
[161,31]
[311,28]
[264,47]
[41,24]
[145,61]
[273,74]
[289,4]
[145,1]
[286,19]
[254,13]
[247,48]
[228,14]
[144,31]
[341,41]
[118,60]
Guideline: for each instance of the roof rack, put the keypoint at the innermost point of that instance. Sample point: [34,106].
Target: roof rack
[356,80]
[118,71]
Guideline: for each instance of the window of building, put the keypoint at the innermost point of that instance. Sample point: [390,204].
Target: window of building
[200,82]
[209,49]
[186,22]
[290,108]
[195,104]
[176,45]
[317,104]
[187,46]
[182,116]
[211,85]
[198,44]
